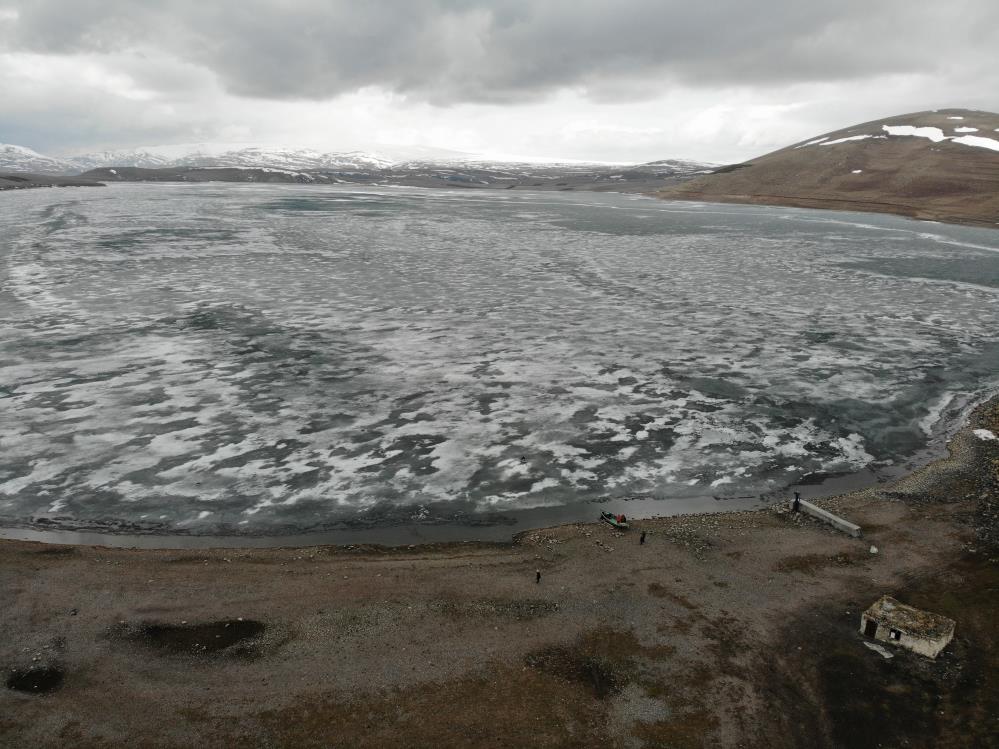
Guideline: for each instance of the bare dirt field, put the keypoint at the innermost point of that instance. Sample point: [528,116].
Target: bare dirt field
[733,630]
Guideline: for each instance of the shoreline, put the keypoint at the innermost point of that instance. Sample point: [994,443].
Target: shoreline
[507,527]
[840,205]
[21,181]
[725,629]
[668,192]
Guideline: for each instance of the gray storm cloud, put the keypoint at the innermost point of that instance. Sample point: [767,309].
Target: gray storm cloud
[453,51]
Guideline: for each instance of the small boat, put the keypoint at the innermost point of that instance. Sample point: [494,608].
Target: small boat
[617,521]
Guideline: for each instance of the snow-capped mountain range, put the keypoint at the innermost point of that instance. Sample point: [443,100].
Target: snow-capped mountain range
[15,158]
[21,159]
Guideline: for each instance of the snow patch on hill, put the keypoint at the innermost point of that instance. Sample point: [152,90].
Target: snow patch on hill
[974,140]
[849,138]
[935,134]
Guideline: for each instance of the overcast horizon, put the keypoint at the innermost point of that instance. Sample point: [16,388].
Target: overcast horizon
[630,81]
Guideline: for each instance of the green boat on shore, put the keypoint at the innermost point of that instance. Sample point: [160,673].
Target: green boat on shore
[617,521]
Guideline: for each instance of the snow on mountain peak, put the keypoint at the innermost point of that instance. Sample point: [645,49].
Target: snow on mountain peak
[232,155]
[20,159]
[299,160]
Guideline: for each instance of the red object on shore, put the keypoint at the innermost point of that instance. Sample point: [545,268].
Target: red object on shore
[618,521]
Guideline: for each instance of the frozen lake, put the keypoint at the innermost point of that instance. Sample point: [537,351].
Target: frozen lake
[262,359]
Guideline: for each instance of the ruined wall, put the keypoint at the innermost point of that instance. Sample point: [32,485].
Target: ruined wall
[930,647]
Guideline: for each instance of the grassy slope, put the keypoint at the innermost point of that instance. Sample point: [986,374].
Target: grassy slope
[911,176]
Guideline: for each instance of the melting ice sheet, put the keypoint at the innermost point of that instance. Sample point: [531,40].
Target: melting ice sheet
[260,357]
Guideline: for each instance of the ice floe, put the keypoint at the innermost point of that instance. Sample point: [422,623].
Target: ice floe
[935,412]
[282,355]
[965,129]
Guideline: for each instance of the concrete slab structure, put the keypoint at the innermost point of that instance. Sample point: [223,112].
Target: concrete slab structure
[851,529]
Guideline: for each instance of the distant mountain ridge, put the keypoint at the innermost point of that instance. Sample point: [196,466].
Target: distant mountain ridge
[941,165]
[24,160]
[15,158]
[418,167]
[254,157]
[642,178]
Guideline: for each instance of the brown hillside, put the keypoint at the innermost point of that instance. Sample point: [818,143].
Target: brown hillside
[909,175]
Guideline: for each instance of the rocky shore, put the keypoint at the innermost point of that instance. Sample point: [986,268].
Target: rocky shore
[737,629]
[26,181]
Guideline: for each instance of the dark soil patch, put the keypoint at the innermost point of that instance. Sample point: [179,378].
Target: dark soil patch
[38,680]
[661,591]
[58,551]
[811,563]
[508,707]
[686,731]
[596,674]
[228,637]
[602,660]
[727,641]
[868,699]
[518,610]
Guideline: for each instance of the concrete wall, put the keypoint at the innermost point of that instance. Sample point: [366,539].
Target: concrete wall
[825,516]
[930,647]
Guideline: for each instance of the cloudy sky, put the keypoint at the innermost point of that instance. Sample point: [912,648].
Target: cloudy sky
[609,80]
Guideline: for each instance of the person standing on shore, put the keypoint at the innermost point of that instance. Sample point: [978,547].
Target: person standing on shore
[537,576]
[641,539]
